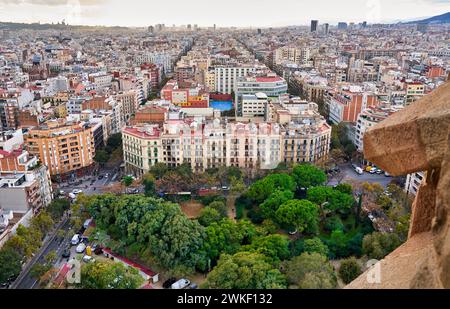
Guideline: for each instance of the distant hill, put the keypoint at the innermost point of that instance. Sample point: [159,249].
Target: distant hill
[439,19]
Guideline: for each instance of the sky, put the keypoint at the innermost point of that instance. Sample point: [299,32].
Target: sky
[239,13]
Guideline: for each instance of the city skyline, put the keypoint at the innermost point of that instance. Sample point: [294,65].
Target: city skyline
[113,13]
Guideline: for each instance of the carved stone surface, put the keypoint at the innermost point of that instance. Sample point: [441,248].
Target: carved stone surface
[422,217]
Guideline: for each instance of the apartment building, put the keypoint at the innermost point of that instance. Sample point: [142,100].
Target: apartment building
[101,80]
[141,148]
[185,94]
[254,105]
[130,102]
[290,54]
[271,84]
[414,91]
[63,147]
[312,88]
[347,103]
[215,143]
[210,81]
[24,183]
[305,142]
[226,77]
[413,182]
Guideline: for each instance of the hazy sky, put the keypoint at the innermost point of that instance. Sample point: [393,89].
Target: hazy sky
[256,13]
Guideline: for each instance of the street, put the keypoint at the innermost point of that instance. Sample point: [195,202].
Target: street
[348,173]
[91,184]
[57,244]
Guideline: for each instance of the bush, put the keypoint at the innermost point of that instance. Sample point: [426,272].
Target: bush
[255,216]
[239,211]
[244,202]
[349,270]
[208,199]
[377,245]
[220,206]
[315,245]
[333,223]
[297,247]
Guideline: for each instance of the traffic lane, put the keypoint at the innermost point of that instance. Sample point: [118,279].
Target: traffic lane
[29,282]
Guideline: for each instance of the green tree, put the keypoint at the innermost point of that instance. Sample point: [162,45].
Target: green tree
[10,264]
[310,271]
[244,270]
[275,247]
[179,242]
[57,208]
[333,200]
[101,156]
[225,236]
[209,215]
[337,244]
[159,170]
[262,189]
[349,270]
[306,175]
[237,185]
[38,270]
[114,142]
[127,181]
[149,184]
[385,202]
[43,222]
[221,207]
[377,245]
[26,241]
[274,201]
[302,215]
[344,188]
[315,245]
[50,258]
[109,275]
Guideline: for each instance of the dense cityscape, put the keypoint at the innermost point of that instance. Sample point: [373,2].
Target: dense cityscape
[184,157]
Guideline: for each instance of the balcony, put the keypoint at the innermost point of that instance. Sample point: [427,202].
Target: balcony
[412,140]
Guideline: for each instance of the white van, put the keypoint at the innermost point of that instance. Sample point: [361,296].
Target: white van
[180,284]
[87,223]
[75,240]
[359,170]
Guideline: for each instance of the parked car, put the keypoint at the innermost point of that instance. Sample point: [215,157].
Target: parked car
[80,248]
[100,177]
[372,171]
[193,286]
[66,253]
[75,240]
[88,258]
[168,283]
[378,171]
[387,174]
[180,284]
[77,191]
